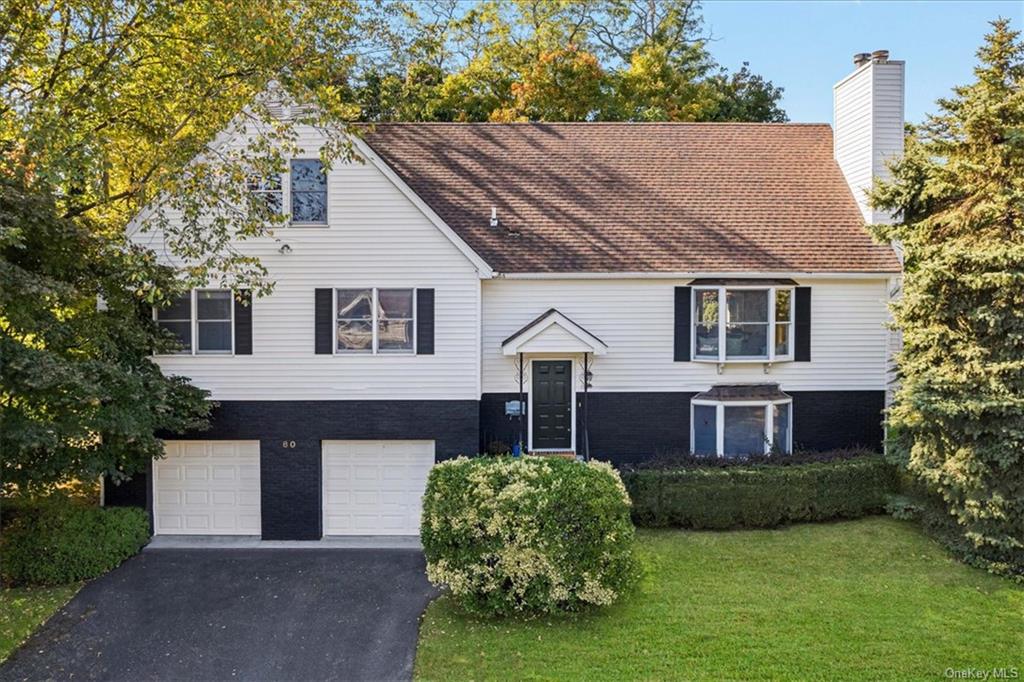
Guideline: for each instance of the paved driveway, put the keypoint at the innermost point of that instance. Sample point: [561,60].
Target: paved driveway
[266,614]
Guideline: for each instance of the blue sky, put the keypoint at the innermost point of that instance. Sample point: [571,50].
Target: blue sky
[807,46]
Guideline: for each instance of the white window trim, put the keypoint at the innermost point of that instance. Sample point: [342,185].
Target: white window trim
[194,326]
[770,325]
[769,422]
[286,189]
[572,404]
[374,350]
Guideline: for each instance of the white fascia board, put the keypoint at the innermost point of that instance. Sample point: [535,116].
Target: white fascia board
[695,275]
[589,341]
[485,271]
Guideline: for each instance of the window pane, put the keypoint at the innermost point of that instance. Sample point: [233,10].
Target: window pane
[707,306]
[782,339]
[782,309]
[355,304]
[747,305]
[214,336]
[309,207]
[395,303]
[780,428]
[744,431]
[705,439]
[308,176]
[706,325]
[355,335]
[213,305]
[180,309]
[707,341]
[746,340]
[181,330]
[394,335]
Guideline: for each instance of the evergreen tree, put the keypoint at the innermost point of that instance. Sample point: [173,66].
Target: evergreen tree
[958,414]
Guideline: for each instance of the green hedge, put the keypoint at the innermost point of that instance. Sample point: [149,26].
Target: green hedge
[760,496]
[527,535]
[61,542]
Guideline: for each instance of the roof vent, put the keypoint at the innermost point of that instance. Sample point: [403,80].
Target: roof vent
[861,58]
[880,55]
[494,216]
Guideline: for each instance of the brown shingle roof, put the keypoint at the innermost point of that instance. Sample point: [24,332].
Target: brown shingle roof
[628,197]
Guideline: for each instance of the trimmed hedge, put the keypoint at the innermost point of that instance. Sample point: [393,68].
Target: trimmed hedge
[528,535]
[755,496]
[56,543]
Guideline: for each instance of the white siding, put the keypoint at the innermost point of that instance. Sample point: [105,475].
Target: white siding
[376,237]
[635,319]
[868,106]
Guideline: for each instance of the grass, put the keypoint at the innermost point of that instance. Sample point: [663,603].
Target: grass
[23,609]
[868,599]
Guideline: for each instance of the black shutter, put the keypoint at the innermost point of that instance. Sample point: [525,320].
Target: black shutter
[322,327]
[424,321]
[243,322]
[802,308]
[682,316]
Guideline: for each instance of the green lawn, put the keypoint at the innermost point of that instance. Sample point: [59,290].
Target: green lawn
[23,609]
[869,599]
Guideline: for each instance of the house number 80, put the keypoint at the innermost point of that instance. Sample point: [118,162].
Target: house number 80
[288,444]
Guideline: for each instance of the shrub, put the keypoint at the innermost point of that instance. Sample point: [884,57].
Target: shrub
[528,535]
[755,496]
[60,542]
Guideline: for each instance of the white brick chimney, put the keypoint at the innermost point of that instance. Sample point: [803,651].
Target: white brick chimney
[868,126]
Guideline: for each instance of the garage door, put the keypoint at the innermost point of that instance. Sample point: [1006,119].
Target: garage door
[207,488]
[375,487]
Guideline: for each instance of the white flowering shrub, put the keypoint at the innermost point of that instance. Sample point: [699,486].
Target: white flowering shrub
[528,535]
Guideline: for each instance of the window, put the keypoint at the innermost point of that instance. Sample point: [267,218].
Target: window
[729,426]
[177,319]
[375,320]
[308,192]
[269,191]
[743,324]
[205,315]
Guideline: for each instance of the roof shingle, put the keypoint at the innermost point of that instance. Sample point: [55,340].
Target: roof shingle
[630,197]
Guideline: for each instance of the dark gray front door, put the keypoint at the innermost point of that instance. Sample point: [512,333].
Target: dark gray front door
[552,404]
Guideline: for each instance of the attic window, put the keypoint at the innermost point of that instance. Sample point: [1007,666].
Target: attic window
[757,324]
[308,192]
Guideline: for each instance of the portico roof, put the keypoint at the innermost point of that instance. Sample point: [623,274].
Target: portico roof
[553,332]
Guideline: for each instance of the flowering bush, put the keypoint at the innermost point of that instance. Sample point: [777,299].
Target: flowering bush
[528,535]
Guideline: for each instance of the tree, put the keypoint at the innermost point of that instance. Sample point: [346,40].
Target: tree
[563,85]
[109,107]
[958,414]
[80,395]
[746,96]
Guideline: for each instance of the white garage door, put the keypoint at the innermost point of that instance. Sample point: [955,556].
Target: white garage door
[375,487]
[207,488]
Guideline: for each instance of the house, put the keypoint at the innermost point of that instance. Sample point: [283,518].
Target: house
[618,290]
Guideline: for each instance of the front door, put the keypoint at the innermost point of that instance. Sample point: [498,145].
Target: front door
[552,404]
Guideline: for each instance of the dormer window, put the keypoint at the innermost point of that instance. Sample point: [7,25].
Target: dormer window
[743,323]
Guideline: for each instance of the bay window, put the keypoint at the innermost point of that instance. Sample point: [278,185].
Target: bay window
[371,320]
[739,421]
[742,323]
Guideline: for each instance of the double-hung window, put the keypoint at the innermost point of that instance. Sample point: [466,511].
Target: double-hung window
[742,323]
[201,320]
[371,320]
[729,425]
[308,187]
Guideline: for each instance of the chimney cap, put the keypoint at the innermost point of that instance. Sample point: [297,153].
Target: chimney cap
[861,58]
[880,55]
